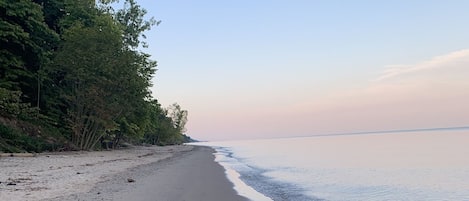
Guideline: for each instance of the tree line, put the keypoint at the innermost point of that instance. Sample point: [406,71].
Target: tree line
[74,76]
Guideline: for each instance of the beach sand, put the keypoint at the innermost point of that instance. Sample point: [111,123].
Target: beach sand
[174,173]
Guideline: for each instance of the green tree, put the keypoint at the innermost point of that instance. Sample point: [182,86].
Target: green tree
[81,65]
[131,18]
[166,125]
[178,117]
[53,11]
[137,74]
[89,60]
[26,43]
[103,79]
[159,128]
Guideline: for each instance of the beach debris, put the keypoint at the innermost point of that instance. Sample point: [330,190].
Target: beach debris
[14,182]
[130,180]
[17,154]
[145,155]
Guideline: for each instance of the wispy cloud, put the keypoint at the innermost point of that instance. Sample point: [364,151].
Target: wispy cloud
[431,93]
[443,61]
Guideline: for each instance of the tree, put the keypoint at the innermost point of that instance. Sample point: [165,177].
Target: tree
[179,117]
[131,18]
[103,79]
[90,59]
[166,125]
[26,43]
[137,75]
[81,65]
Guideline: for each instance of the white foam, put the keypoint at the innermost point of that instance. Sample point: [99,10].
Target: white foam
[240,187]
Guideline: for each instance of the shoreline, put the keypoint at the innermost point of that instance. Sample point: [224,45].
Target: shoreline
[192,175]
[139,173]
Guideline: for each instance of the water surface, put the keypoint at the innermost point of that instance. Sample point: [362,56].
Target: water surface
[430,165]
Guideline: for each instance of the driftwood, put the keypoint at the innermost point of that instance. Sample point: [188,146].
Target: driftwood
[17,155]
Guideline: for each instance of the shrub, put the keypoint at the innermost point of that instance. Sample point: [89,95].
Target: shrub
[12,140]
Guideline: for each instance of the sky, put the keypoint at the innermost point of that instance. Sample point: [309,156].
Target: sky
[250,69]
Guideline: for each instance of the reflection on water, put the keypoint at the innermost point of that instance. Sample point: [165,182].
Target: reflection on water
[432,165]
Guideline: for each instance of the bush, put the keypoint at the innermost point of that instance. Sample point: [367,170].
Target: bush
[12,140]
[12,107]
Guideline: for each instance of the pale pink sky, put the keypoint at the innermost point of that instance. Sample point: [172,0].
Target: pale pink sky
[427,94]
[262,69]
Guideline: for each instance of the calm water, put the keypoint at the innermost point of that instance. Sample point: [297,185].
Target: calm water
[430,165]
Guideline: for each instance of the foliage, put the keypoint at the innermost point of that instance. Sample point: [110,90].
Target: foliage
[134,26]
[12,107]
[168,126]
[26,43]
[179,117]
[75,70]
[12,140]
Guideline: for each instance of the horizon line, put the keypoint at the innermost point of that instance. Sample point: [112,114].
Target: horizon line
[391,131]
[356,133]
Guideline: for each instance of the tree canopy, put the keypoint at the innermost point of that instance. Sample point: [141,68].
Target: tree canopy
[75,74]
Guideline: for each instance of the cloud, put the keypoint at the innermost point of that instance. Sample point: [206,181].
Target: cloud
[444,61]
[431,93]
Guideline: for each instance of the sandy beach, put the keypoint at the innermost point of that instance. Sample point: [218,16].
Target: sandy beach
[140,173]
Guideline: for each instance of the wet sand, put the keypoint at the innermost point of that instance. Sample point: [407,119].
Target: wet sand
[194,176]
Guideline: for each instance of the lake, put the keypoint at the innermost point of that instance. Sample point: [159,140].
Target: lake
[426,165]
